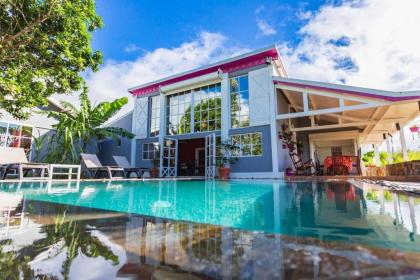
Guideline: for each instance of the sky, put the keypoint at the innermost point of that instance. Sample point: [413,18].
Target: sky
[369,43]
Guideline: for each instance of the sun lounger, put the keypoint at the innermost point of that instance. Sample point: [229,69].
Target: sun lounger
[122,161]
[94,168]
[13,162]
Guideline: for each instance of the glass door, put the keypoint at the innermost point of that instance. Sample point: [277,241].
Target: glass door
[210,156]
[169,157]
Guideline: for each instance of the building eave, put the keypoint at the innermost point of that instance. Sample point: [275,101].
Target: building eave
[250,59]
[352,90]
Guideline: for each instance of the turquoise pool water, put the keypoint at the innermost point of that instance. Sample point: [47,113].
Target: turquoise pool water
[332,211]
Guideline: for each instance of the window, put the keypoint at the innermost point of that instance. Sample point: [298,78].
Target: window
[151,151]
[249,144]
[239,101]
[207,108]
[15,135]
[207,112]
[179,113]
[154,115]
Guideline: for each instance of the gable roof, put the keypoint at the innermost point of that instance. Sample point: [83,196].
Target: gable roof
[247,60]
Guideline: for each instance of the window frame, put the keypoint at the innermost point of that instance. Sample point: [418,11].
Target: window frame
[156,118]
[20,137]
[143,151]
[231,104]
[251,145]
[193,102]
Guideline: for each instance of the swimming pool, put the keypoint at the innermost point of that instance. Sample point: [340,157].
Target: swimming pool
[358,222]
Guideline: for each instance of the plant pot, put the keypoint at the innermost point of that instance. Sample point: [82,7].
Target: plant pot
[154,172]
[289,172]
[224,173]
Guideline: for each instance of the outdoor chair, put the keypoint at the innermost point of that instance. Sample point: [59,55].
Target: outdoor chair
[122,161]
[93,168]
[301,168]
[13,162]
[319,168]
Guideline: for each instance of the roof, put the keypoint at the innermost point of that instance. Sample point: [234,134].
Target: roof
[243,61]
[344,89]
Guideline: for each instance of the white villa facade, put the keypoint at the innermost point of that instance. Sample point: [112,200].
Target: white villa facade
[245,100]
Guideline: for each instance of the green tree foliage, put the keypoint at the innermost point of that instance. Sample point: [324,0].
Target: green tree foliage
[79,127]
[44,46]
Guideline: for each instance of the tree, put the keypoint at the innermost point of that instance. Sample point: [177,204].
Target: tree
[44,46]
[79,127]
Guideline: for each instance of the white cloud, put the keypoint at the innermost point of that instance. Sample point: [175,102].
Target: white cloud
[115,78]
[262,24]
[132,48]
[265,28]
[372,43]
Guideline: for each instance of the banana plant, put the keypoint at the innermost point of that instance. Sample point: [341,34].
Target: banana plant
[78,127]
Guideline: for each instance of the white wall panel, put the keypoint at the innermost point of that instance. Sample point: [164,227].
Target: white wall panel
[140,117]
[259,101]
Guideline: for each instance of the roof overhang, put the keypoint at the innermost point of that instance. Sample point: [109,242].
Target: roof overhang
[233,64]
[328,106]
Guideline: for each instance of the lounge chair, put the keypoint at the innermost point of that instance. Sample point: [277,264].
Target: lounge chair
[122,161]
[94,168]
[13,162]
[319,168]
[301,168]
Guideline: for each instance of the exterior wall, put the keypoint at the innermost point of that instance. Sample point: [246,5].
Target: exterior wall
[109,148]
[249,164]
[41,123]
[254,163]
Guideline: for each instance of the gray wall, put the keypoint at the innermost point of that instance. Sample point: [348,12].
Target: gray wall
[109,148]
[255,163]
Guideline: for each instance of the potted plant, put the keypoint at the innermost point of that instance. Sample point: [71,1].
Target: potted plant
[154,170]
[225,159]
[288,142]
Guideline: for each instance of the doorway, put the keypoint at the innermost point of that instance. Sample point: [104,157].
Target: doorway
[191,157]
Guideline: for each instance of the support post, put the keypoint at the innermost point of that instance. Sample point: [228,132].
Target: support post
[388,148]
[225,125]
[402,140]
[273,126]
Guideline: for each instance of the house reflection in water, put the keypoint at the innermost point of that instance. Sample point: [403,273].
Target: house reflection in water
[311,217]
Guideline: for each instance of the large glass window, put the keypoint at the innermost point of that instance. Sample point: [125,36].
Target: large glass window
[249,144]
[151,151]
[15,135]
[179,113]
[154,116]
[207,108]
[239,101]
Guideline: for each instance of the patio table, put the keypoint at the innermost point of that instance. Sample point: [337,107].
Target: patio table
[343,160]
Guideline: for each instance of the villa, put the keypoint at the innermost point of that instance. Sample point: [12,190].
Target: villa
[245,100]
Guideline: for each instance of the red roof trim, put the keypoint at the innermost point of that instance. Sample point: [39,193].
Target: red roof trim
[354,92]
[228,67]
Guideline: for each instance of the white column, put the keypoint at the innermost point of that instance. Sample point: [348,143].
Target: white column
[225,107]
[162,128]
[388,149]
[133,152]
[403,144]
[273,125]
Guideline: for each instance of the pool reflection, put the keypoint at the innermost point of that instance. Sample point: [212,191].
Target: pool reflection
[46,240]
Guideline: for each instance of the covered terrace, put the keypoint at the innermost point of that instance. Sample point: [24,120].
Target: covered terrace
[331,119]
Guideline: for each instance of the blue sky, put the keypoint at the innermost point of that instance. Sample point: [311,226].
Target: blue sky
[367,43]
[132,27]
